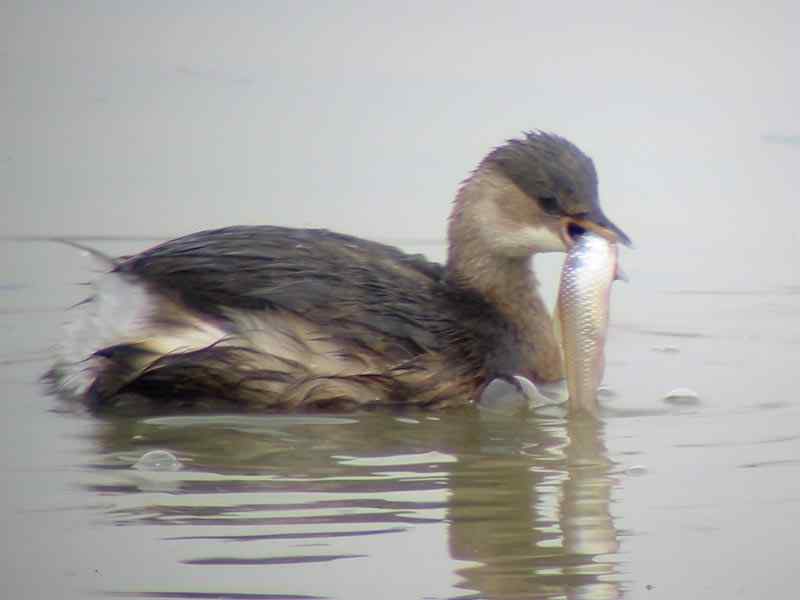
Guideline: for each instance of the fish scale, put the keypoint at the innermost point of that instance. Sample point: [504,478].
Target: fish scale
[582,316]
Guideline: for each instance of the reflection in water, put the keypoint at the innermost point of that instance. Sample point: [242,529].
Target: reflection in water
[525,500]
[537,524]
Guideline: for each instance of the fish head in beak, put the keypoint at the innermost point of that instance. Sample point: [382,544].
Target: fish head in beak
[595,221]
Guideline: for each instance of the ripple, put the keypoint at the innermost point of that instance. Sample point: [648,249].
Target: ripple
[211,595]
[636,470]
[667,349]
[248,422]
[771,463]
[270,560]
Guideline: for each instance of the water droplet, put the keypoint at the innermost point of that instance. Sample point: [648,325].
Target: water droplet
[682,396]
[158,460]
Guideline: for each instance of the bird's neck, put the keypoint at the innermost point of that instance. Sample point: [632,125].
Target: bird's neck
[508,283]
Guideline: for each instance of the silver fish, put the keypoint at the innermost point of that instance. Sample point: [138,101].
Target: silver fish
[582,315]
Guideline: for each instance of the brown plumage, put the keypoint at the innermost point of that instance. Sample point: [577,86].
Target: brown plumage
[265,318]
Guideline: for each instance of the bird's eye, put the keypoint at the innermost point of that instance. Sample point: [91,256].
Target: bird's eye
[549,205]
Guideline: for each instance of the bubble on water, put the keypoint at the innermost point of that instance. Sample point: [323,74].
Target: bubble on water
[536,399]
[158,460]
[606,393]
[501,396]
[555,392]
[682,396]
[636,470]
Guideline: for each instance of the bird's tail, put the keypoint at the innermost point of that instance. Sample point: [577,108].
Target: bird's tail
[116,333]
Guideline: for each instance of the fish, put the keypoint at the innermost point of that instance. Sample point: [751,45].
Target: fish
[582,314]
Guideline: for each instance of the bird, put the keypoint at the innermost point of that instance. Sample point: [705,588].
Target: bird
[264,318]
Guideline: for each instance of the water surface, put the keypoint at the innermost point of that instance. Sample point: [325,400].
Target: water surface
[154,119]
[659,500]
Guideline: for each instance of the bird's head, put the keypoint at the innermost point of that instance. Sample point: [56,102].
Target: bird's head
[532,194]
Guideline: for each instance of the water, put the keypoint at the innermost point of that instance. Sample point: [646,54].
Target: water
[150,119]
[659,500]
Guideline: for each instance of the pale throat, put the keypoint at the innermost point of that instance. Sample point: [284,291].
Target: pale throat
[540,237]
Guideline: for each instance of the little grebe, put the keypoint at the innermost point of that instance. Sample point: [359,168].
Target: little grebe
[268,318]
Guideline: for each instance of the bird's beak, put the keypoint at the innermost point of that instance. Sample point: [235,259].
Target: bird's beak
[597,223]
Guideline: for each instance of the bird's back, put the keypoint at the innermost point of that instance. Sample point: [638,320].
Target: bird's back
[335,280]
[272,317]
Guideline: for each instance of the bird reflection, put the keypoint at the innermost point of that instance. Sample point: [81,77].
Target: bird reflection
[525,499]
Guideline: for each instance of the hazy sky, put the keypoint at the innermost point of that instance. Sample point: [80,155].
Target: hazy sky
[166,117]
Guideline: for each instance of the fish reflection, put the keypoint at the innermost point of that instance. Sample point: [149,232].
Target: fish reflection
[524,501]
[537,526]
